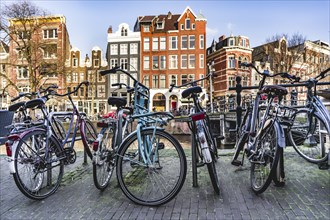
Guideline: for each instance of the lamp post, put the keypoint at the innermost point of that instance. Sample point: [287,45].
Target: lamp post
[211,70]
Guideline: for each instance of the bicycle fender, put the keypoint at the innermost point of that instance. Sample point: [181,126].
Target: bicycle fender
[324,117]
[12,158]
[280,134]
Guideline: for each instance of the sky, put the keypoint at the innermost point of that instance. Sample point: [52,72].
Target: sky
[88,20]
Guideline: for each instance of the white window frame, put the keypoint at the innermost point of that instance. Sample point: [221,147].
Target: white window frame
[186,24]
[113,62]
[162,62]
[155,43]
[201,61]
[173,61]
[155,62]
[75,77]
[146,44]
[184,43]
[173,79]
[133,61]
[184,60]
[162,81]
[20,74]
[173,39]
[192,38]
[114,49]
[113,79]
[201,41]
[231,62]
[192,60]
[146,28]
[123,49]
[133,48]
[146,62]
[47,32]
[162,45]
[123,62]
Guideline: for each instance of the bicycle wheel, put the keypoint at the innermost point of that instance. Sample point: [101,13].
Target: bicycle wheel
[104,161]
[162,178]
[88,136]
[309,137]
[210,166]
[265,159]
[38,168]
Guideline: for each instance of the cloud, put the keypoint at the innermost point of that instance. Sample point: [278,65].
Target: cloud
[211,33]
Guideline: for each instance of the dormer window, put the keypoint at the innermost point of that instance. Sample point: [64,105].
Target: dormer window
[160,25]
[123,31]
[146,28]
[188,24]
[231,42]
[244,42]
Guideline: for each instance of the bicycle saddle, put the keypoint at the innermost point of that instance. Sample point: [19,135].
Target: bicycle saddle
[275,89]
[16,106]
[118,102]
[191,90]
[34,103]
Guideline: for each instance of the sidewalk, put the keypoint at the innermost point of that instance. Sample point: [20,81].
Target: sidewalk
[306,195]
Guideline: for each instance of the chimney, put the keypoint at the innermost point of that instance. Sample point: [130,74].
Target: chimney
[110,29]
[169,15]
[222,38]
[86,58]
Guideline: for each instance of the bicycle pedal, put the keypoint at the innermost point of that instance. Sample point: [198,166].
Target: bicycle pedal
[236,163]
[324,166]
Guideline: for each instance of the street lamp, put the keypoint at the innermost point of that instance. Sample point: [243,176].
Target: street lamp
[211,70]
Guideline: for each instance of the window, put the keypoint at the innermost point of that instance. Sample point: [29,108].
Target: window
[155,62]
[113,79]
[201,76]
[155,43]
[162,62]
[231,42]
[123,78]
[162,43]
[188,23]
[173,43]
[174,79]
[133,64]
[74,77]
[193,26]
[239,62]
[231,62]
[68,78]
[101,91]
[96,62]
[244,42]
[184,42]
[192,61]
[155,81]
[201,61]
[23,35]
[133,48]
[24,88]
[123,31]
[50,34]
[245,81]
[162,83]
[146,81]
[184,79]
[22,72]
[182,26]
[191,41]
[131,82]
[201,41]
[146,44]
[123,63]
[82,77]
[113,63]
[173,62]
[50,51]
[146,28]
[160,25]
[184,61]
[114,49]
[74,62]
[123,48]
[231,81]
[146,62]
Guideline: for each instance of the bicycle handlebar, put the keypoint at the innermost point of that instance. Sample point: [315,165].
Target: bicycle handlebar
[86,83]
[30,94]
[172,86]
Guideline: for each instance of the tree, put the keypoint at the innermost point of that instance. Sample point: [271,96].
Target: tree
[22,28]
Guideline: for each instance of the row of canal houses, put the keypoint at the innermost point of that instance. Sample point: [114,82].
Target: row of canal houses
[158,51]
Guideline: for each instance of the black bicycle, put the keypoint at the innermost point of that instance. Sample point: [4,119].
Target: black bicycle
[199,124]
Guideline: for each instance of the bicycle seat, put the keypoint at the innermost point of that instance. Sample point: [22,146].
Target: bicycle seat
[34,103]
[118,102]
[191,90]
[16,106]
[275,90]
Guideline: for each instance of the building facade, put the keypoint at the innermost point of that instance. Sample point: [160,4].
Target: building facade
[172,52]
[224,57]
[4,56]
[123,50]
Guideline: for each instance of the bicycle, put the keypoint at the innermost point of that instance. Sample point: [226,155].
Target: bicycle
[263,135]
[151,165]
[36,156]
[199,124]
[310,128]
[105,147]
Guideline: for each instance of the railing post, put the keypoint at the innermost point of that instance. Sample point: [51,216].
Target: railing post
[238,102]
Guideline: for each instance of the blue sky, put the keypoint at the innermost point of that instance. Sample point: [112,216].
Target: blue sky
[88,21]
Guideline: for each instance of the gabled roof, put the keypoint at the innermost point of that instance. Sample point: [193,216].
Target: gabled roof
[187,8]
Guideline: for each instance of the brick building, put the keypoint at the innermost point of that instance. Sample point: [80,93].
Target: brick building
[172,51]
[224,57]
[4,56]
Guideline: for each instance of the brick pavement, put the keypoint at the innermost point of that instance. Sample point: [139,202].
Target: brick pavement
[306,195]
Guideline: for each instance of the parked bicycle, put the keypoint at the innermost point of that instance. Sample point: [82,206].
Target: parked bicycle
[262,137]
[310,130]
[36,156]
[150,163]
[199,124]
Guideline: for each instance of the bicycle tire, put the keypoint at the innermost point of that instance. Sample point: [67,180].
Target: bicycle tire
[103,162]
[211,166]
[159,182]
[306,138]
[30,155]
[265,160]
[88,136]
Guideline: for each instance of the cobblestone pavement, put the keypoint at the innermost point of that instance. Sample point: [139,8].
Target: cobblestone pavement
[306,195]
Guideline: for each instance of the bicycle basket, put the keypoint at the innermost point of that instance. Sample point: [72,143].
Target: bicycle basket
[141,99]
